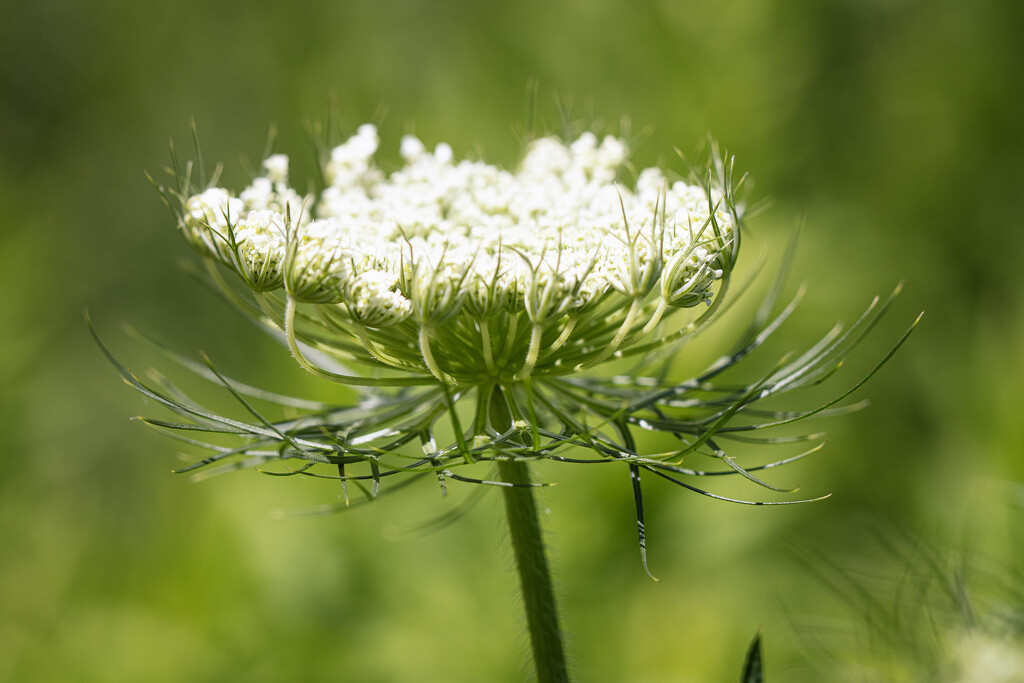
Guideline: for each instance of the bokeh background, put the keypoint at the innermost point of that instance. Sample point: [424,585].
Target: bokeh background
[890,128]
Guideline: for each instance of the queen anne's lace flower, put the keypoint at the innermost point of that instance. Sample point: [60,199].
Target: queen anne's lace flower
[461,290]
[479,274]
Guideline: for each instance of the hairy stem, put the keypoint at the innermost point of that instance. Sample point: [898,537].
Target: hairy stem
[531,559]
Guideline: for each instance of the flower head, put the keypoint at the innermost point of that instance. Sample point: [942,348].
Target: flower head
[501,275]
[448,281]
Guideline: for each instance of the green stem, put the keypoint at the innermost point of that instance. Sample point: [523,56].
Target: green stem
[531,560]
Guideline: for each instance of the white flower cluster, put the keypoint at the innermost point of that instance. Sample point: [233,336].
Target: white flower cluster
[251,231]
[440,235]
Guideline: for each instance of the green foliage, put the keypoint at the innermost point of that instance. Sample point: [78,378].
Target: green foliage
[753,666]
[915,611]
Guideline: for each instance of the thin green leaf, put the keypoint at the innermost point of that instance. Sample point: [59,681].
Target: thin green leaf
[753,667]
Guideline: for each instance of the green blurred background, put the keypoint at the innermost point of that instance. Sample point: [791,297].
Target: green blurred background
[893,128]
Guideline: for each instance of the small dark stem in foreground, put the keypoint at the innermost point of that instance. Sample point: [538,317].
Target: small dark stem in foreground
[531,561]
